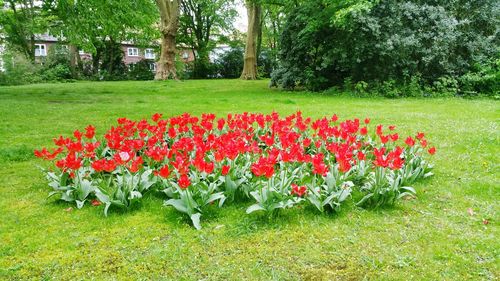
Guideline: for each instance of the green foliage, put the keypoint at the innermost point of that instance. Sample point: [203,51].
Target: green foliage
[141,70]
[386,42]
[112,65]
[89,23]
[202,23]
[20,70]
[230,64]
[482,80]
[20,20]
[126,190]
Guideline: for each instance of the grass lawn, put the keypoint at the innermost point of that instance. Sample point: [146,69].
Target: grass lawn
[431,238]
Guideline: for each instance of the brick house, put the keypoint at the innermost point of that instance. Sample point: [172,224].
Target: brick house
[131,52]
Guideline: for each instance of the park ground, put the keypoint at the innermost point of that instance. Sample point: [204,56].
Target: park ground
[449,232]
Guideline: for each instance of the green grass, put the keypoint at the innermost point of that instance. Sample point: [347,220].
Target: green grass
[430,238]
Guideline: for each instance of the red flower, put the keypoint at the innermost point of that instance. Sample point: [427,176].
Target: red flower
[156,117]
[136,164]
[78,135]
[164,172]
[423,143]
[89,132]
[96,203]
[319,166]
[363,131]
[298,190]
[171,133]
[104,165]
[225,170]
[367,121]
[394,137]
[410,141]
[420,135]
[361,155]
[335,118]
[184,181]
[432,150]
[392,127]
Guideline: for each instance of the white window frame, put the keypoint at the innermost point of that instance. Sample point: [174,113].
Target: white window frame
[149,54]
[132,52]
[152,67]
[39,51]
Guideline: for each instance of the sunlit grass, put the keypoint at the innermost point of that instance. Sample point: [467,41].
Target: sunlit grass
[432,237]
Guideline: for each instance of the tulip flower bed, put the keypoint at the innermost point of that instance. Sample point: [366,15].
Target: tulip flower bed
[273,162]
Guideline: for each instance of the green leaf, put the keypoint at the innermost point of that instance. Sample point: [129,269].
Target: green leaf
[195,218]
[102,197]
[363,200]
[215,197]
[79,204]
[53,193]
[106,209]
[254,208]
[85,189]
[177,204]
[409,188]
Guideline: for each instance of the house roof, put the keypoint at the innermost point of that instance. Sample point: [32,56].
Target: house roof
[46,37]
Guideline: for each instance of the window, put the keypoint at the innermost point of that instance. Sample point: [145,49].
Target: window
[40,50]
[152,67]
[133,52]
[185,55]
[61,49]
[149,54]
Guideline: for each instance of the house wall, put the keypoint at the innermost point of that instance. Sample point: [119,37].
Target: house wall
[186,55]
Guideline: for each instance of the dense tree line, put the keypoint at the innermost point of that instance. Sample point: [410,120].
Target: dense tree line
[389,44]
[391,47]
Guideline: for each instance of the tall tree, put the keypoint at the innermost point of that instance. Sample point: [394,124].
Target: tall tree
[20,21]
[92,24]
[169,23]
[254,10]
[203,23]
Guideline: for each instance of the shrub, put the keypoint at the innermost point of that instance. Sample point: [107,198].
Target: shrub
[483,80]
[387,43]
[141,70]
[19,70]
[230,64]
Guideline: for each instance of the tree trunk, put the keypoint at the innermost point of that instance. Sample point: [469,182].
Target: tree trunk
[169,14]
[250,63]
[73,60]
[259,38]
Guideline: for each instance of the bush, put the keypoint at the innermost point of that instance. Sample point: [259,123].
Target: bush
[230,64]
[53,68]
[19,70]
[387,43]
[483,80]
[56,73]
[141,70]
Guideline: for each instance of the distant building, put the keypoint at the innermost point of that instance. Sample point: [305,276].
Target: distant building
[132,53]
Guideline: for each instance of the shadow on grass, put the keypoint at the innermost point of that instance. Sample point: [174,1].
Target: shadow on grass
[232,218]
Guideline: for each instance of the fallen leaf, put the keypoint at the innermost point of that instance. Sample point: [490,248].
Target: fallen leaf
[470,211]
[69,209]
[485,221]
